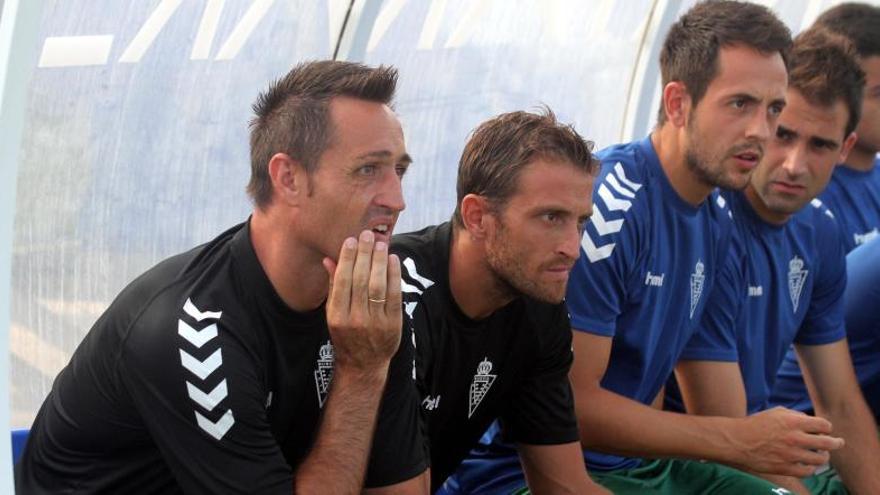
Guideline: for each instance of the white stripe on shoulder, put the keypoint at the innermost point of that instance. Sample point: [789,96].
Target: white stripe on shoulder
[193,311]
[719,200]
[612,181]
[618,170]
[611,202]
[593,252]
[604,227]
[411,270]
[816,202]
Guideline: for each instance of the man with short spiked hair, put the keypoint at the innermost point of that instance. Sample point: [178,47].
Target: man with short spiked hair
[257,363]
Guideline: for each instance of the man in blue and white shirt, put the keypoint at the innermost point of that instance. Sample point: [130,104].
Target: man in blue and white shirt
[785,278]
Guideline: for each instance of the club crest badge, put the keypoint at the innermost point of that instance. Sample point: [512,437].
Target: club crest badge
[480,386]
[697,279]
[324,372]
[796,278]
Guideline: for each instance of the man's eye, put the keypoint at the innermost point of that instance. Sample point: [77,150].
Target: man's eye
[401,170]
[367,170]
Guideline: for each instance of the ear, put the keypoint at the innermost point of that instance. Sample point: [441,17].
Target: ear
[288,176]
[848,144]
[475,215]
[676,103]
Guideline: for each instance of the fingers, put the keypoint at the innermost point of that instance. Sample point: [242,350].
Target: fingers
[378,277]
[393,295]
[340,281]
[819,442]
[360,278]
[814,424]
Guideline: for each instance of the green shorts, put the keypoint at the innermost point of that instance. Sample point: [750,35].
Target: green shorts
[825,483]
[683,477]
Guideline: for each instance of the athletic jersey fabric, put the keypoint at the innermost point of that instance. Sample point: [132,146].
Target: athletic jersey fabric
[199,379]
[782,284]
[854,198]
[512,365]
[862,308]
[648,261]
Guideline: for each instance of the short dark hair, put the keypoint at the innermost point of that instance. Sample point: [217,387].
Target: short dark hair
[859,22]
[500,148]
[690,51]
[824,68]
[292,116]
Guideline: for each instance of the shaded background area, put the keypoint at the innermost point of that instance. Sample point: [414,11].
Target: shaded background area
[134,137]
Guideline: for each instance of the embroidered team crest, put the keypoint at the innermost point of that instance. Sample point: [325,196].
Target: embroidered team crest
[697,279]
[480,386]
[796,278]
[324,372]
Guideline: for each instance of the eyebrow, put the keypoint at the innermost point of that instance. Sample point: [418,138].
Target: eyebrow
[405,158]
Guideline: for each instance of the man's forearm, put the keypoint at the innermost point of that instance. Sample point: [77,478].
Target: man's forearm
[857,461]
[616,424]
[338,460]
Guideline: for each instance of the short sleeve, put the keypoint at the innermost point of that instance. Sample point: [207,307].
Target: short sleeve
[597,285]
[824,321]
[199,390]
[542,411]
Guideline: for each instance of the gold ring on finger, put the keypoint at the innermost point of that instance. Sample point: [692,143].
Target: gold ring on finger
[378,301]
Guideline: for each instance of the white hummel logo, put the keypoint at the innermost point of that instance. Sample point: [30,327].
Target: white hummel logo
[697,279]
[796,278]
[620,200]
[480,386]
[652,280]
[324,372]
[867,236]
[756,290]
[431,403]
[203,369]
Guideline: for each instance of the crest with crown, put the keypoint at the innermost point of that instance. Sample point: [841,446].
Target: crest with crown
[795,265]
[699,268]
[484,367]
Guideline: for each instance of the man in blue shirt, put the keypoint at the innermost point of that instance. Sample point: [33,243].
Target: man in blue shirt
[651,255]
[853,194]
[784,280]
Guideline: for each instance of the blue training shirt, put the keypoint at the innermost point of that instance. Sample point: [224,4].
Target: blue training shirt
[648,261]
[854,198]
[782,284]
[862,309]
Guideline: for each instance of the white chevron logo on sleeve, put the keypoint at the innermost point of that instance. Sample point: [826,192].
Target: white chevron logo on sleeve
[594,253]
[612,181]
[210,400]
[409,288]
[196,337]
[201,368]
[410,307]
[618,170]
[604,227]
[612,203]
[218,429]
[193,311]
[410,266]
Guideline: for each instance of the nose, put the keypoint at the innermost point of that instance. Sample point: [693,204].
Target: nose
[761,127]
[795,161]
[570,245]
[391,194]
